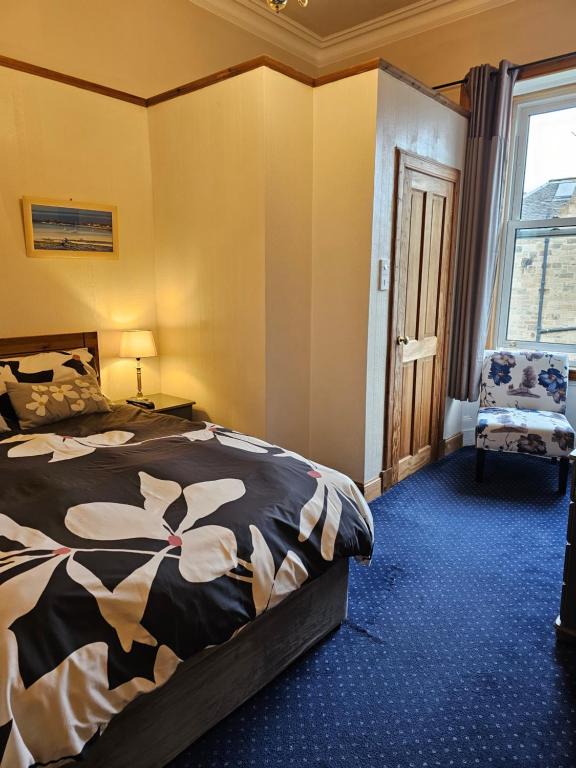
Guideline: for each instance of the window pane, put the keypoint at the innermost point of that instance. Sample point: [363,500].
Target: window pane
[550,178]
[543,295]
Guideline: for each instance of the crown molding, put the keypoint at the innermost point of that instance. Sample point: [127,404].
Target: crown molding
[416,18]
[421,15]
[254,17]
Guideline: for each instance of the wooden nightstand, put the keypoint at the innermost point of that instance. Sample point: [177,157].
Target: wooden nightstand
[174,406]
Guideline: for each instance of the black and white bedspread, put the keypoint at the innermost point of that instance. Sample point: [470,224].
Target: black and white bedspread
[130,541]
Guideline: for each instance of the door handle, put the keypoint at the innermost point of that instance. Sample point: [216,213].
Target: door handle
[402,340]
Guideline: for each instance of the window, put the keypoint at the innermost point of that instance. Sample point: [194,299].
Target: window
[538,276]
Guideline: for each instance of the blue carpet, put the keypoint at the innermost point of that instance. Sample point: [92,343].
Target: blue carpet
[448,657]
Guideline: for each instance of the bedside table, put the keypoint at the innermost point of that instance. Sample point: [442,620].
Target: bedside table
[174,406]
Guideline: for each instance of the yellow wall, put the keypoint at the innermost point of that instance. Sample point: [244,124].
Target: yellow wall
[266,248]
[344,153]
[234,164]
[263,296]
[246,235]
[288,219]
[147,46]
[140,46]
[521,31]
[60,142]
[209,219]
[231,278]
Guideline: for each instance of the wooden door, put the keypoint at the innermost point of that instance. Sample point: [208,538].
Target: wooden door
[418,350]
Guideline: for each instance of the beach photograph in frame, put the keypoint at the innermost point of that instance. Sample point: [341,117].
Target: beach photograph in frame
[64,228]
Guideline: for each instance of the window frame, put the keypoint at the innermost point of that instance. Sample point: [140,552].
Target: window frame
[524,107]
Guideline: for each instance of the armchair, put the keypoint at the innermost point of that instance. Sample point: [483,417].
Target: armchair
[522,408]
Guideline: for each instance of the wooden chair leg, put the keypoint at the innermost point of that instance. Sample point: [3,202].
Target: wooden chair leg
[563,472]
[480,461]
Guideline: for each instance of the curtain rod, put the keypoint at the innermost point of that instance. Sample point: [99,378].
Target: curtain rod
[519,67]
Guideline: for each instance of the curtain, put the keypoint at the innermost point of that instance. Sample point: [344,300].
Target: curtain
[490,92]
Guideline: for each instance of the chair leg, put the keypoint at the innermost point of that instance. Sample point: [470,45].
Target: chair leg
[563,475]
[480,461]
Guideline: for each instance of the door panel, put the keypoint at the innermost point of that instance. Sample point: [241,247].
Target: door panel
[407,395]
[417,344]
[414,259]
[426,368]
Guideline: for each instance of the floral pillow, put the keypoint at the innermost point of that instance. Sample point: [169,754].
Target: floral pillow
[39,369]
[38,404]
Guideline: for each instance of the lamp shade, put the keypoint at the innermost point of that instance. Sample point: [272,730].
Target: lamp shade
[137,344]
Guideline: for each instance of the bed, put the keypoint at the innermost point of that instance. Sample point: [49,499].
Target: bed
[154,574]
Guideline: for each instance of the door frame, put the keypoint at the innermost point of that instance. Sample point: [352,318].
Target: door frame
[407,161]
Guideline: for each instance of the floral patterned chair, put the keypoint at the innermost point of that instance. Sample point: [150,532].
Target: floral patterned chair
[522,407]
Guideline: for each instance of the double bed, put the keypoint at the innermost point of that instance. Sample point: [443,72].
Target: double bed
[154,573]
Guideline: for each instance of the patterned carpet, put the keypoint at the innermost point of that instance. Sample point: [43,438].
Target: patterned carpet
[448,657]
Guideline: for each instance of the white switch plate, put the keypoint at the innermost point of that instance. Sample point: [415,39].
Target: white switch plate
[383,275]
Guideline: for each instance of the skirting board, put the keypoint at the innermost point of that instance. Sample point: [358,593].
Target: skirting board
[447,446]
[154,728]
[386,478]
[372,489]
[451,444]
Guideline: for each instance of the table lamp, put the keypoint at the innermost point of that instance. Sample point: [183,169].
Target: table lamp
[138,344]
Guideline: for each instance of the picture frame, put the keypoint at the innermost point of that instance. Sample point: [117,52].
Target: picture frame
[69,229]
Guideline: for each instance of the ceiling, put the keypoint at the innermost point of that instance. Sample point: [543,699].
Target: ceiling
[330,31]
[327,17]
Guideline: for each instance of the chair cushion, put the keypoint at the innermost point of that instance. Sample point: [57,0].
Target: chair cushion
[540,433]
[524,379]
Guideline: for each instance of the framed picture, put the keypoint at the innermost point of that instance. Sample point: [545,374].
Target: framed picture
[59,228]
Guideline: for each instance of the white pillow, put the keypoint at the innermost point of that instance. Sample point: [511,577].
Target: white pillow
[45,362]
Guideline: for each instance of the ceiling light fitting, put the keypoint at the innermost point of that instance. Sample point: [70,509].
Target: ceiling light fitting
[279,5]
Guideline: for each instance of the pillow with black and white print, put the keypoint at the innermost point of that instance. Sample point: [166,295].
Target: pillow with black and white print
[38,404]
[40,368]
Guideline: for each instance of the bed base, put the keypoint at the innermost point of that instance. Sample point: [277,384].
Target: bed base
[154,728]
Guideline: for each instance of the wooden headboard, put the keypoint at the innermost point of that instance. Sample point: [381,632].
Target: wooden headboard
[31,345]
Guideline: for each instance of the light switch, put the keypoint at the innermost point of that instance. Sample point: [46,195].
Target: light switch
[383,275]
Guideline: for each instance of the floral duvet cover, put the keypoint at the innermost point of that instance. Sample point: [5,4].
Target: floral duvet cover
[130,541]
